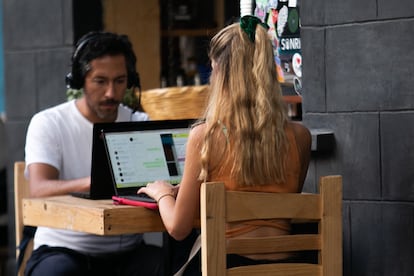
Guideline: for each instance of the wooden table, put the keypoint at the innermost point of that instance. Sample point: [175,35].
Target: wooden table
[100,217]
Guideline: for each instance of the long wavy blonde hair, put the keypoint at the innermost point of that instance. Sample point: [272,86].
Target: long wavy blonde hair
[246,98]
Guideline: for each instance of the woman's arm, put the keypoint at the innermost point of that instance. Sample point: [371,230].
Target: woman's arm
[178,214]
[303,141]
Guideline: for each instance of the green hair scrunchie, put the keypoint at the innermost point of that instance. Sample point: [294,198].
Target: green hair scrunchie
[248,24]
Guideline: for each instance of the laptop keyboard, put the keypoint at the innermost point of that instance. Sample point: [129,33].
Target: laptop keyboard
[140,197]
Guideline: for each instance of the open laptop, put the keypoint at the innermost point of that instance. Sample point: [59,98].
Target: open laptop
[143,152]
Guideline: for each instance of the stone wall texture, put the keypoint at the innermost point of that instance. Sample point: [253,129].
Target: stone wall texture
[358,68]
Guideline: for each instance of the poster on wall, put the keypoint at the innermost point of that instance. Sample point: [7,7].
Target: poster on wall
[282,17]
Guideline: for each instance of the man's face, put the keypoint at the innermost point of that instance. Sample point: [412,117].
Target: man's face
[104,88]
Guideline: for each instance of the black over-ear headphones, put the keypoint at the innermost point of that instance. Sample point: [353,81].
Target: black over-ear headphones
[97,44]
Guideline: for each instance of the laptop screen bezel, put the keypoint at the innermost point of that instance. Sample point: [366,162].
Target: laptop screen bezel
[137,126]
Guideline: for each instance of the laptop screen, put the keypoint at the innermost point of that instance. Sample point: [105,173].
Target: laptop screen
[137,157]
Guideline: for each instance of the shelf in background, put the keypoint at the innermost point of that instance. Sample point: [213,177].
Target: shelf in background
[189,32]
[292,99]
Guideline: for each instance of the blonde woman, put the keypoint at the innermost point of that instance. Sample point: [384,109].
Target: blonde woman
[246,139]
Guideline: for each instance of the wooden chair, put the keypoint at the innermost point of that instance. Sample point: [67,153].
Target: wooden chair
[21,190]
[219,206]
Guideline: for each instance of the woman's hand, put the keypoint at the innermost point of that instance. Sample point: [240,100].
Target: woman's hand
[158,189]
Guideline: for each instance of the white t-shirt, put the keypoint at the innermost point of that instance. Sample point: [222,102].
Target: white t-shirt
[61,137]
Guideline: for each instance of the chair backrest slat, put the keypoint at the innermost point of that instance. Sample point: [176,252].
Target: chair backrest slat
[276,244]
[271,205]
[277,270]
[218,207]
[331,225]
[21,190]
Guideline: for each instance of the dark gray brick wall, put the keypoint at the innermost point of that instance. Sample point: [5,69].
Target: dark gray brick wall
[366,68]
[397,150]
[51,82]
[395,9]
[356,156]
[20,80]
[37,24]
[380,243]
[314,70]
[37,45]
[320,12]
[358,81]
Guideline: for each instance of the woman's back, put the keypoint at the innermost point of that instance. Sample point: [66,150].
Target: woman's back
[297,161]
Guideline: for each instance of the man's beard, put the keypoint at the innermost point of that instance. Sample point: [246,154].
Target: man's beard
[106,115]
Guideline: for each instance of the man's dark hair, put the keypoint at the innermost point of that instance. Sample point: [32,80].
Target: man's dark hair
[97,44]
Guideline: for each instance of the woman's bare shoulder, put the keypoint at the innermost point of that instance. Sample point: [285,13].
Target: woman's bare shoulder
[299,128]
[198,127]
[197,131]
[302,133]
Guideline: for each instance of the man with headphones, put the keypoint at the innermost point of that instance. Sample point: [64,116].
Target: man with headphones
[58,161]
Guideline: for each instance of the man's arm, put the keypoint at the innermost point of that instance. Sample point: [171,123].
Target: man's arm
[44,181]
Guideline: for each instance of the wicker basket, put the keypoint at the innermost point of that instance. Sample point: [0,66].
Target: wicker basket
[187,102]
